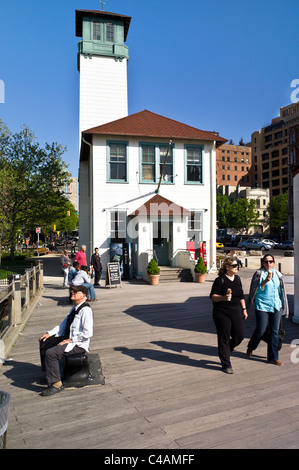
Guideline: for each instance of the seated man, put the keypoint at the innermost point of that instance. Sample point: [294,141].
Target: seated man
[72,336]
[82,278]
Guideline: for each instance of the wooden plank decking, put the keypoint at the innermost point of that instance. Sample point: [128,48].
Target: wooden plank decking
[164,388]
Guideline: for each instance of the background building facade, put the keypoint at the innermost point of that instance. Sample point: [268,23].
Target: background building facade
[233,165]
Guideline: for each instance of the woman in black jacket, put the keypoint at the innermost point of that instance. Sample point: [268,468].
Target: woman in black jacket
[228,305]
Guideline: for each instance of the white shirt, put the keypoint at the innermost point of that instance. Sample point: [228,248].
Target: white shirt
[81,329]
[80,278]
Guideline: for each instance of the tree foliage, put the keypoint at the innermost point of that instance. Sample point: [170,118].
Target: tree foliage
[31,183]
[68,220]
[240,214]
[279,210]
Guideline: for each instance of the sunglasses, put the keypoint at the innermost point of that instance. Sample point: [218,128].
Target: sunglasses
[270,262]
[233,265]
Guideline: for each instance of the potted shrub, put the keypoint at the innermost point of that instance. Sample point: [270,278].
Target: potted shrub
[200,270]
[153,272]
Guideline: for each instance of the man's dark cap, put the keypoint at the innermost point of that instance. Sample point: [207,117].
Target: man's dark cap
[81,289]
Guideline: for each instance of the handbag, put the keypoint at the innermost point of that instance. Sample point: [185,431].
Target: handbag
[281,334]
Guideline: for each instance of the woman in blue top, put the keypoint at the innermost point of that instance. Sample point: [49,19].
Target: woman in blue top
[267,290]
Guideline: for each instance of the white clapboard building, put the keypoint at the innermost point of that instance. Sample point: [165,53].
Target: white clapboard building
[147,183]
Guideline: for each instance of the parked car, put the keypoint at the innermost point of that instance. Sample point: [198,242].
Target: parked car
[286,245]
[253,244]
[269,241]
[239,238]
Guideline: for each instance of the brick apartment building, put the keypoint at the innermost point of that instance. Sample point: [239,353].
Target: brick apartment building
[233,165]
[274,152]
[270,151]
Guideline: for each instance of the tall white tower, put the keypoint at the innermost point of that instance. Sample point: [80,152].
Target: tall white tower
[102,63]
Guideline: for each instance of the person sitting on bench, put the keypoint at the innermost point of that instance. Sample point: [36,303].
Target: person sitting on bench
[82,278]
[72,336]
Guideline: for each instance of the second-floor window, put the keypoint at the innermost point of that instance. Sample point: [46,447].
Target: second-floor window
[117,162]
[193,164]
[152,163]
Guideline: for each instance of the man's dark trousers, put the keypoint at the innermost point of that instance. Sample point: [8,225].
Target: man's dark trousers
[51,353]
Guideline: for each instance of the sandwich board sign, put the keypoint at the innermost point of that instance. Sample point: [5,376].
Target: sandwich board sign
[113,277]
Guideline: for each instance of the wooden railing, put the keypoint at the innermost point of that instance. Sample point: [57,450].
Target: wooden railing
[17,298]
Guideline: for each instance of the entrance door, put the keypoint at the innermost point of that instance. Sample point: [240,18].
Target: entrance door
[162,242]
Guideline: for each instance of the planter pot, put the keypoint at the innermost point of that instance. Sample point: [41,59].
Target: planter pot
[153,279]
[200,277]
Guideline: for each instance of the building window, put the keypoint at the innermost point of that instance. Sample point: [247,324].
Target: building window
[152,163]
[118,226]
[97,31]
[193,164]
[148,167]
[117,162]
[195,226]
[168,170]
[109,32]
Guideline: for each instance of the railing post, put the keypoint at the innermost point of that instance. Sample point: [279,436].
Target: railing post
[27,295]
[33,281]
[17,300]
[41,274]
[16,306]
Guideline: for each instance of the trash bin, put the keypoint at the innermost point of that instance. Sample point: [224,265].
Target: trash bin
[4,410]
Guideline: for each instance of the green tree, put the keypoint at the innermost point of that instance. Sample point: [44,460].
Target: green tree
[31,183]
[223,211]
[278,211]
[68,221]
[244,213]
[241,214]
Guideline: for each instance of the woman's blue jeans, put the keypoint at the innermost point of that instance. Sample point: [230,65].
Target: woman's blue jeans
[92,292]
[262,319]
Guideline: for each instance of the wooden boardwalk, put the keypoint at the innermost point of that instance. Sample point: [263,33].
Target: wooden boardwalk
[164,388]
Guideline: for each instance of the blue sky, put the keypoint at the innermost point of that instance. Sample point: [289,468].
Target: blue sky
[219,65]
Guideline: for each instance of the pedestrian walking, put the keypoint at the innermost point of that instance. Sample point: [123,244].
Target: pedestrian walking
[81,256]
[65,264]
[229,310]
[267,291]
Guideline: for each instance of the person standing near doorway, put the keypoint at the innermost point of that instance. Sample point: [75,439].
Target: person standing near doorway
[97,266]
